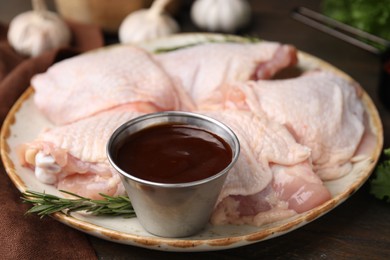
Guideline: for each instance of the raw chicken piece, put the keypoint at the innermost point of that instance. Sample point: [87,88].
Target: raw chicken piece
[367,143]
[294,189]
[257,210]
[99,80]
[202,70]
[262,142]
[73,157]
[299,186]
[272,178]
[322,111]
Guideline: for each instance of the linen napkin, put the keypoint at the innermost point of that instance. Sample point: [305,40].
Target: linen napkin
[28,236]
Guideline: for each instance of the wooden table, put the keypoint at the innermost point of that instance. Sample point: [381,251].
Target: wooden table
[357,229]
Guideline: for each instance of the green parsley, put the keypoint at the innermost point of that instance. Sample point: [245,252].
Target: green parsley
[380,185]
[367,15]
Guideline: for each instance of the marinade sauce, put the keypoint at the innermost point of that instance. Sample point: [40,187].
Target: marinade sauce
[173,153]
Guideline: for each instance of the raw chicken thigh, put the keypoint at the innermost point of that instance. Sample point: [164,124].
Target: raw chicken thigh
[272,178]
[99,80]
[73,157]
[252,172]
[203,70]
[320,109]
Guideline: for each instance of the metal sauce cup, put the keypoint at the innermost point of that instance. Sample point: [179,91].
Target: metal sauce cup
[180,209]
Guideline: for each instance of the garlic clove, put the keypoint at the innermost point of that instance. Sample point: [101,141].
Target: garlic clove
[221,15]
[32,33]
[147,24]
[140,26]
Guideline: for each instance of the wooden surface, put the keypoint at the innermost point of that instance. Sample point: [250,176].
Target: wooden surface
[357,229]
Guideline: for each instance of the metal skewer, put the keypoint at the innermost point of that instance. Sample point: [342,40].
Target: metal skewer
[340,30]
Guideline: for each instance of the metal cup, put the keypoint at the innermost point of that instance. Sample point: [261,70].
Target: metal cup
[180,209]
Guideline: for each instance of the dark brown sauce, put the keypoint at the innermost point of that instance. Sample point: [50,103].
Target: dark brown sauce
[173,153]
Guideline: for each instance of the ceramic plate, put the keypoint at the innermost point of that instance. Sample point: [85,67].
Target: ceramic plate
[24,122]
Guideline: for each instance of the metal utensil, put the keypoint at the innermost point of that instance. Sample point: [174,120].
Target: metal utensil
[355,37]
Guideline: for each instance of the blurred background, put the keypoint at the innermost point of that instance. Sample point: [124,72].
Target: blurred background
[368,15]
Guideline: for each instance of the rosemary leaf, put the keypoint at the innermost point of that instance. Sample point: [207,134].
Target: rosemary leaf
[117,205]
[38,208]
[226,38]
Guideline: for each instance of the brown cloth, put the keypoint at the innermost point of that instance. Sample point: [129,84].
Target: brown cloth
[27,236]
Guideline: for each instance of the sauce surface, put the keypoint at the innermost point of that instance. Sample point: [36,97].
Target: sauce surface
[173,153]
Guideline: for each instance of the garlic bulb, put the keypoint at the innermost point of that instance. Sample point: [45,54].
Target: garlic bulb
[33,32]
[220,15]
[147,24]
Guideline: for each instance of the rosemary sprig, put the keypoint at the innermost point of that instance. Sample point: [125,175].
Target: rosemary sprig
[46,204]
[226,38]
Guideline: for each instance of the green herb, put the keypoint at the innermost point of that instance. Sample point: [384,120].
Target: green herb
[226,38]
[46,204]
[367,15]
[380,185]
[169,49]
